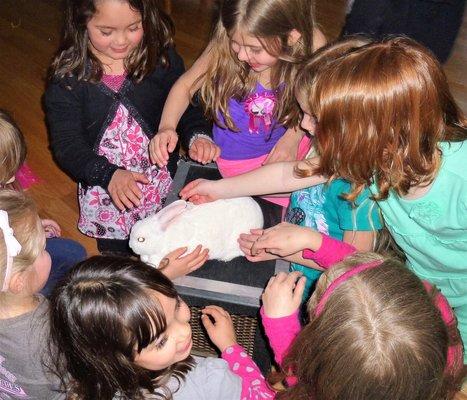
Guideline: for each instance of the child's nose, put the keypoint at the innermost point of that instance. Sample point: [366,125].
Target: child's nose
[242,54]
[120,39]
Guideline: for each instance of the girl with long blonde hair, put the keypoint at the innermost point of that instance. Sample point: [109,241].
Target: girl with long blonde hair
[245,82]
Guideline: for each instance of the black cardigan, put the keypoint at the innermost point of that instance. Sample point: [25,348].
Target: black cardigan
[79,112]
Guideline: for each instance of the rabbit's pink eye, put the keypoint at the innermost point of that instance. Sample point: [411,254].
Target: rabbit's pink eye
[141,239]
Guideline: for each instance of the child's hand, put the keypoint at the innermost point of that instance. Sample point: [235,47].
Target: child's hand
[221,332]
[286,148]
[51,228]
[246,242]
[283,294]
[283,239]
[123,188]
[173,265]
[200,191]
[161,145]
[204,151]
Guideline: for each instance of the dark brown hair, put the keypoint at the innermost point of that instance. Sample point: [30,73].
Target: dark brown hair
[74,57]
[271,23]
[382,109]
[100,315]
[379,336]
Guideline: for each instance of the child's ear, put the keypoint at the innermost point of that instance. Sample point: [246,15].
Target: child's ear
[17,282]
[294,37]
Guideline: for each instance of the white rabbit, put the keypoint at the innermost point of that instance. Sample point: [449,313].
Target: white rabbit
[216,226]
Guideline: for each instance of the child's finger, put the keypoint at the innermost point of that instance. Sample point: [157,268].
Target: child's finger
[217,153]
[199,260]
[215,311]
[139,177]
[127,204]
[162,145]
[292,277]
[207,323]
[299,289]
[118,203]
[177,252]
[173,139]
[131,194]
[190,189]
[257,231]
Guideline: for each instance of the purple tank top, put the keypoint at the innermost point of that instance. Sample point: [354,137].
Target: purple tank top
[258,130]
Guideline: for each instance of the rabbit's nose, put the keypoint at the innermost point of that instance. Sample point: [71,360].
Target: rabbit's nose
[141,239]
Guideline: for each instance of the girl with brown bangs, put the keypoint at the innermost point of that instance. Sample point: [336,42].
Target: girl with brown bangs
[387,121]
[245,78]
[119,330]
[104,99]
[375,331]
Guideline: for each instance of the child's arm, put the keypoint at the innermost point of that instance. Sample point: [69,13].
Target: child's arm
[281,301]
[219,327]
[176,104]
[271,178]
[362,240]
[286,148]
[285,239]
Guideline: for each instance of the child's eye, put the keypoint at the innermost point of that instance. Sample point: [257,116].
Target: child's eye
[134,29]
[106,33]
[161,343]
[256,51]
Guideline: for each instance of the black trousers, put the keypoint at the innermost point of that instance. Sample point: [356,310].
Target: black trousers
[433,23]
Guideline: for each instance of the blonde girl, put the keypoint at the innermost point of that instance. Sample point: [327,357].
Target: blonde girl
[64,252]
[24,270]
[375,331]
[245,78]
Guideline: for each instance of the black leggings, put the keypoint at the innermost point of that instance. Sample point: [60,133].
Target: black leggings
[114,247]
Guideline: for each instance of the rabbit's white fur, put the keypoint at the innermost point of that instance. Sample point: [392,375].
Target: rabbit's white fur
[216,226]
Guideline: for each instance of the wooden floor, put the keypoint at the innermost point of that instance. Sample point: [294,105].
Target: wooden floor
[29,31]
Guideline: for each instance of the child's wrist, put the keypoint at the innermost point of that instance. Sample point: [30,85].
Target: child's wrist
[227,346]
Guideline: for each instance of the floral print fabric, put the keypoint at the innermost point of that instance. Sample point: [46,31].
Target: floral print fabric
[123,144]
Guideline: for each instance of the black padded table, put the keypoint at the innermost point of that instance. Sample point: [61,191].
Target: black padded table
[235,285]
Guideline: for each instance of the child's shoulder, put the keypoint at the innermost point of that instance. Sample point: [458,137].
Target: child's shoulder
[209,378]
[454,155]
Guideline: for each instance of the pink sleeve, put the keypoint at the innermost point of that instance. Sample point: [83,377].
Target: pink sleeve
[254,386]
[331,252]
[281,332]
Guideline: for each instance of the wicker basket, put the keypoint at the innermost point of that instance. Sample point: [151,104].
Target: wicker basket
[245,329]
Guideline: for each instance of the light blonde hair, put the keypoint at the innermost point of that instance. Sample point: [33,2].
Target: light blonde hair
[379,336]
[382,109]
[12,147]
[27,229]
[271,22]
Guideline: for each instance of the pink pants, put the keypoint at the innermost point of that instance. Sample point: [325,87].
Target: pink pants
[229,168]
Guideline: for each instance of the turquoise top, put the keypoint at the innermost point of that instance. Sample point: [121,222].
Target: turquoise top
[432,230]
[322,208]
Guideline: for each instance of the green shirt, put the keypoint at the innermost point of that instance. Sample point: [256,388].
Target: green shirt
[432,230]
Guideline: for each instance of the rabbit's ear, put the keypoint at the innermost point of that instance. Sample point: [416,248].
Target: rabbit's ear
[169,213]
